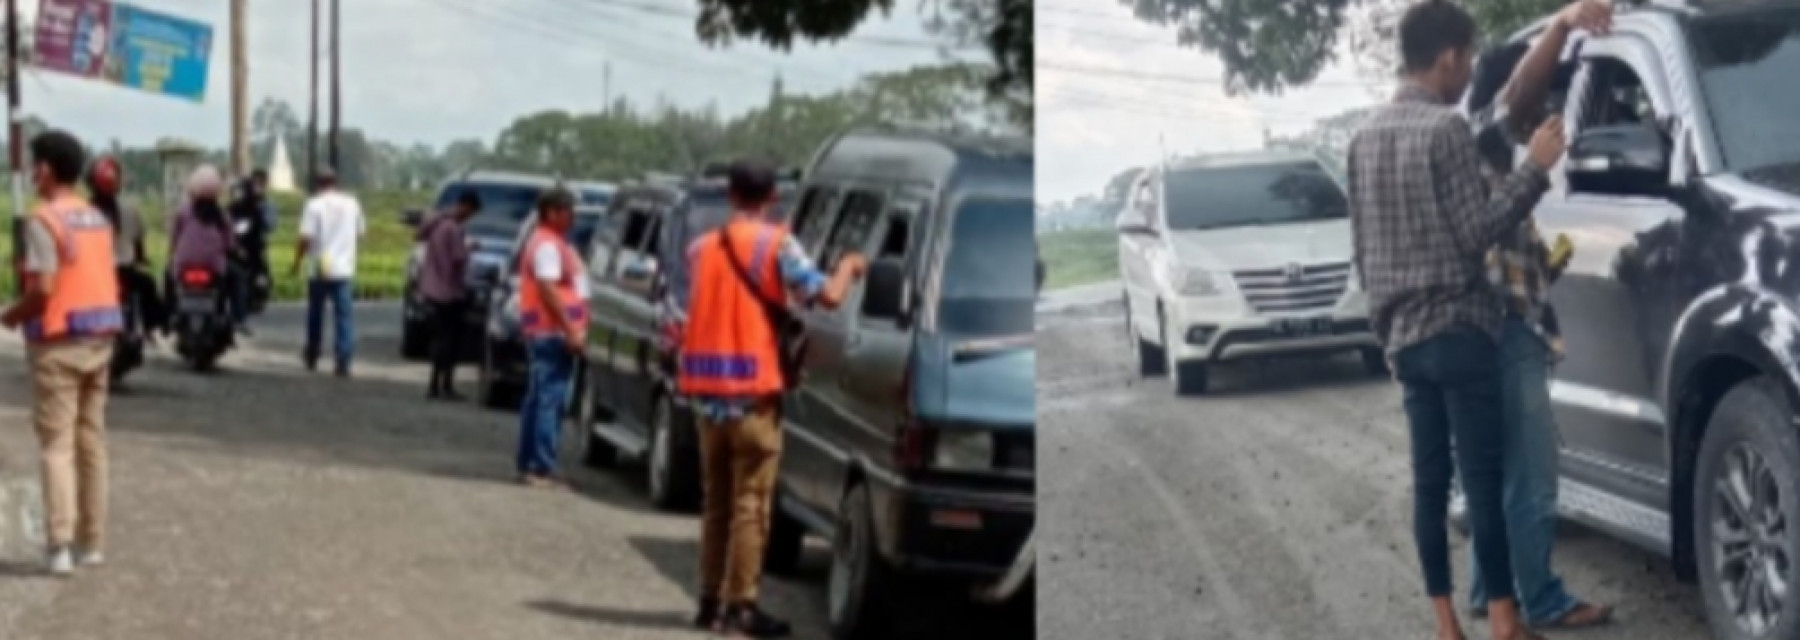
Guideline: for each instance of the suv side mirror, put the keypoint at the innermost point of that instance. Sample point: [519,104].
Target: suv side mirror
[884,295]
[1624,160]
[412,217]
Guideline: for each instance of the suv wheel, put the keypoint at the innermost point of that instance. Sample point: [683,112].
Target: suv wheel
[857,592]
[1746,508]
[1374,361]
[1152,361]
[489,389]
[596,452]
[1188,378]
[671,475]
[787,538]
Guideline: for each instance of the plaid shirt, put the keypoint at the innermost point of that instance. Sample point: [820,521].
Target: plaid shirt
[1423,218]
[1520,265]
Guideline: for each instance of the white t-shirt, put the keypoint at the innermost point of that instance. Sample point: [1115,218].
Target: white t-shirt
[333,222]
[547,265]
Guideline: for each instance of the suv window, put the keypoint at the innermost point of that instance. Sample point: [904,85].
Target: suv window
[1217,197]
[504,207]
[989,279]
[1747,64]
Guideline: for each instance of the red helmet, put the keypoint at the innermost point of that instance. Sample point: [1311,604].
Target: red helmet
[104,176]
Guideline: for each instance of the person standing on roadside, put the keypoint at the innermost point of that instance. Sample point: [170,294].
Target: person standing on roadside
[442,283]
[69,311]
[553,316]
[1522,267]
[1423,218]
[330,227]
[734,364]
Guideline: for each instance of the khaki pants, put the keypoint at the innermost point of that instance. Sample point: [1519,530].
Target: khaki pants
[739,460]
[69,412]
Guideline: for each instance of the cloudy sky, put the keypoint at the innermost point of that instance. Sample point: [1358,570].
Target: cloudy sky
[436,70]
[1109,86]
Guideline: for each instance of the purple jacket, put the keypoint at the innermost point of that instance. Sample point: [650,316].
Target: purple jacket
[194,243]
[441,278]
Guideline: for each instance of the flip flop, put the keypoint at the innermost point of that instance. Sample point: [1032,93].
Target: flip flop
[1583,616]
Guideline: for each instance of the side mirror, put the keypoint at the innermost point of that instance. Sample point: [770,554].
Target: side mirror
[412,217]
[884,294]
[1624,160]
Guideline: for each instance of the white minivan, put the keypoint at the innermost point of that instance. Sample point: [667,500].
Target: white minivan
[1238,256]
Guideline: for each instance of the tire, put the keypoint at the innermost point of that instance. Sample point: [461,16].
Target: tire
[1188,378]
[787,538]
[1152,361]
[415,341]
[1374,361]
[858,592]
[672,476]
[1749,441]
[492,392]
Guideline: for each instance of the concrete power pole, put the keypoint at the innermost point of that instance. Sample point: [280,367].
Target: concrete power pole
[240,90]
[312,117]
[337,93]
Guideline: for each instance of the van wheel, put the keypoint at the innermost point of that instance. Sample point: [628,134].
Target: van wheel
[857,592]
[1151,361]
[787,538]
[1188,378]
[672,475]
[1374,361]
[1746,508]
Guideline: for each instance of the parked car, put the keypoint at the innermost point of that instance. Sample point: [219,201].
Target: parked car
[507,200]
[1678,397]
[910,442]
[504,366]
[1239,256]
[632,412]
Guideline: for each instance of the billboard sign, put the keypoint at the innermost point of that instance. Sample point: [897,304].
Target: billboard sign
[125,45]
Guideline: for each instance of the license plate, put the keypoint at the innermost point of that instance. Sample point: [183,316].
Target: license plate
[1300,327]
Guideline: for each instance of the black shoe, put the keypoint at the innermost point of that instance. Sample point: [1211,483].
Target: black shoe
[709,613]
[433,394]
[747,621]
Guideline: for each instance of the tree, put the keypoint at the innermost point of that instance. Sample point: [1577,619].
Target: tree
[1269,45]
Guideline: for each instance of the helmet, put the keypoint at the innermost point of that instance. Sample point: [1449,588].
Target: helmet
[205,182]
[104,175]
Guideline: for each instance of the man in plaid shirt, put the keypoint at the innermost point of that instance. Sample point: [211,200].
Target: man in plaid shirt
[1424,217]
[1522,268]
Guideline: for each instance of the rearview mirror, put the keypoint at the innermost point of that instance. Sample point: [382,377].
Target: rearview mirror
[884,295]
[412,217]
[1624,160]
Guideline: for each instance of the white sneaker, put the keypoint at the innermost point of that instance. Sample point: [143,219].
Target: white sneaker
[87,558]
[61,562]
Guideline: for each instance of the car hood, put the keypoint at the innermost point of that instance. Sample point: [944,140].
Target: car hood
[1264,247]
[989,382]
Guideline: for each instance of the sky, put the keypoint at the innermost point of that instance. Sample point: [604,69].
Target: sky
[1093,123]
[439,70]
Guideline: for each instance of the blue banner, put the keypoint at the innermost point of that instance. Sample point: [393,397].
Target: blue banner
[159,53]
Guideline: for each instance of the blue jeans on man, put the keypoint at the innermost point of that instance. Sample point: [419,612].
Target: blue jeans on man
[338,293]
[541,411]
[1529,448]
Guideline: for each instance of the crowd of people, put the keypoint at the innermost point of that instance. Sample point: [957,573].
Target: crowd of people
[1456,276]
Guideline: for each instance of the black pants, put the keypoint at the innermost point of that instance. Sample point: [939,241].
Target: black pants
[138,289]
[449,321]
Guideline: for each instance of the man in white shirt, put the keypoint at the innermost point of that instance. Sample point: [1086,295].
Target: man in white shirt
[554,318]
[330,227]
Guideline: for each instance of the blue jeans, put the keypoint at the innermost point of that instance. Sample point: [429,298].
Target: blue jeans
[318,291]
[1529,449]
[1452,393]
[541,412]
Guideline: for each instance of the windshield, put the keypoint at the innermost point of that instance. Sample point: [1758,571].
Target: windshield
[1213,198]
[1747,64]
[989,279]
[595,198]
[503,206]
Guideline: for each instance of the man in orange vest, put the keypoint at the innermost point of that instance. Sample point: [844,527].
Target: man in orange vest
[744,275]
[553,292]
[70,311]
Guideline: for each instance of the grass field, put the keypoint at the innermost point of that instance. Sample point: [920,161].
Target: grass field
[381,263]
[1080,256]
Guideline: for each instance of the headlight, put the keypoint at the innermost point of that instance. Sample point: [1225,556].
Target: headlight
[962,450]
[1189,281]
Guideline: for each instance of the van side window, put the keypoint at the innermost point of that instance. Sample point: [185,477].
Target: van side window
[638,227]
[855,221]
[813,217]
[899,235]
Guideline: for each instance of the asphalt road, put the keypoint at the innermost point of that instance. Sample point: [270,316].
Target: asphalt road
[266,502]
[1277,506]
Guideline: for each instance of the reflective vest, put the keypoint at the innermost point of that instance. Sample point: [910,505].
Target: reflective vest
[84,298]
[534,320]
[728,348]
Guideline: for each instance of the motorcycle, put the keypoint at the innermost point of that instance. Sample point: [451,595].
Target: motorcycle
[256,268]
[202,322]
[128,344]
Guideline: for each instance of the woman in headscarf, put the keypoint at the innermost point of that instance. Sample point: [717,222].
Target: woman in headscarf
[203,237]
[105,181]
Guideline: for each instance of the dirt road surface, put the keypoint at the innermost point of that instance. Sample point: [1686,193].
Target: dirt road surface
[266,502]
[1276,507]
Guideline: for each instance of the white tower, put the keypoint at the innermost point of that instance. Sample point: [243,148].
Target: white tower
[281,172]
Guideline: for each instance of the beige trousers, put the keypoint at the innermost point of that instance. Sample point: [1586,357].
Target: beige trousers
[69,412]
[739,460]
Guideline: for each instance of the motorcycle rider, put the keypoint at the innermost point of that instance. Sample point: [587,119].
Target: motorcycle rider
[105,181]
[252,216]
[203,237]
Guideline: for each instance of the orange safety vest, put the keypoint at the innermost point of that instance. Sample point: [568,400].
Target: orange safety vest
[84,301]
[729,349]
[534,320]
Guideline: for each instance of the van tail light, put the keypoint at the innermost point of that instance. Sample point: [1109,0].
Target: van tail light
[196,278]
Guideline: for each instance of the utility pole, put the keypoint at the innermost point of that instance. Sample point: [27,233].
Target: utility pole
[15,143]
[312,118]
[606,86]
[337,94]
[240,90]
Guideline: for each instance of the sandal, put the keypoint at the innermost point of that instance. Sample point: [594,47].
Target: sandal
[1583,616]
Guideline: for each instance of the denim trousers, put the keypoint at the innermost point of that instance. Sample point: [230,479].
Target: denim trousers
[541,411]
[343,329]
[1451,383]
[1529,448]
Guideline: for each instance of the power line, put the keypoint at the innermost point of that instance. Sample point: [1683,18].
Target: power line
[567,36]
[1166,77]
[807,70]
